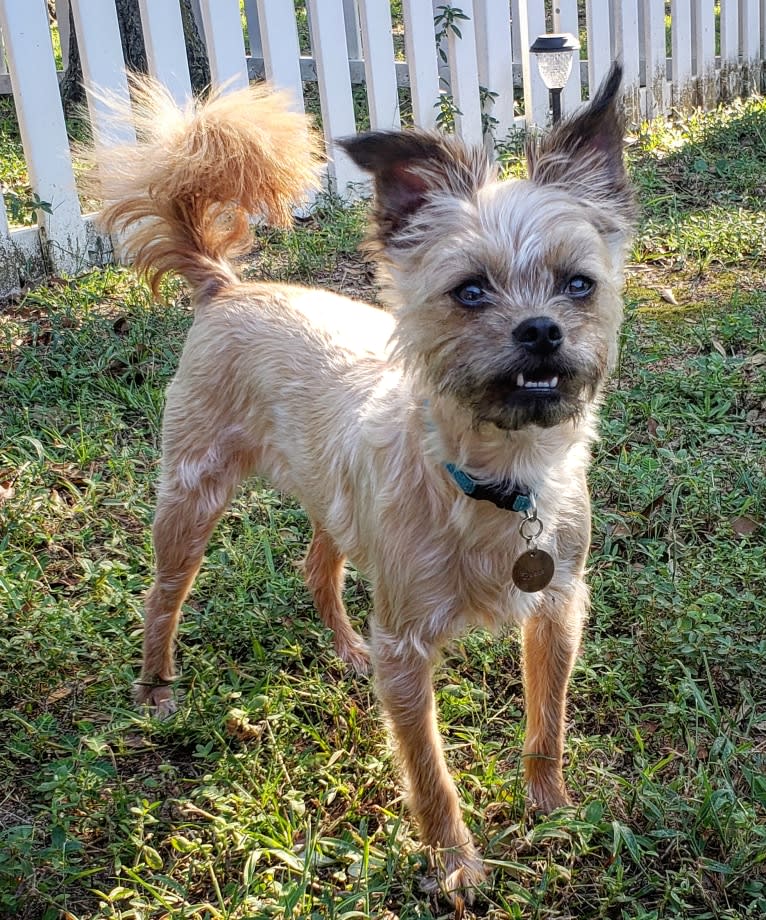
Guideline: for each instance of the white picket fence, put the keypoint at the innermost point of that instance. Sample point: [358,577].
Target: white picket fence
[352,43]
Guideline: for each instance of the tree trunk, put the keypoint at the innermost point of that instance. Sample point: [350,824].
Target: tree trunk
[72,93]
[196,53]
[134,52]
[132,35]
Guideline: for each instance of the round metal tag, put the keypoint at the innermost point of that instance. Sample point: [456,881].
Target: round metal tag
[533,570]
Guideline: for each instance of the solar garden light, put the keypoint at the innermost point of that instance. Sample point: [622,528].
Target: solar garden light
[555,54]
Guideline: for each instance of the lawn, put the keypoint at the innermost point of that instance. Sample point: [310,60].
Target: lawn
[273,791]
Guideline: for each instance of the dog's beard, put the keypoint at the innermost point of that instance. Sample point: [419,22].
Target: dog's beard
[514,399]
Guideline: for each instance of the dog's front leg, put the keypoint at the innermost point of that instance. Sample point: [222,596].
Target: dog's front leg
[550,642]
[404,686]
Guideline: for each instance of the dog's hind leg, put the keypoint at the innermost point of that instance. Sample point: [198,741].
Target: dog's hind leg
[195,489]
[323,571]
[404,686]
[550,643]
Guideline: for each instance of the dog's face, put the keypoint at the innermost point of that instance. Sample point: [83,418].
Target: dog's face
[507,293]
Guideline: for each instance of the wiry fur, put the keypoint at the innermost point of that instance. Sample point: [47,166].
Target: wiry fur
[355,410]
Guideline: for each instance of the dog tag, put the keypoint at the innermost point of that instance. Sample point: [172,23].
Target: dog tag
[533,570]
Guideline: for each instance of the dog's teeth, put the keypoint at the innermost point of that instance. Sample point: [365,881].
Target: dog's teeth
[520,380]
[540,384]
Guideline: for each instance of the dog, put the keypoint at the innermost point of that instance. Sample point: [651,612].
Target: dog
[440,444]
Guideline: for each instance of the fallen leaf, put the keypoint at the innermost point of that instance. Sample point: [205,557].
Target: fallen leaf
[719,348]
[756,360]
[652,506]
[668,296]
[136,742]
[61,694]
[651,426]
[620,529]
[744,526]
[116,367]
[238,725]
[6,492]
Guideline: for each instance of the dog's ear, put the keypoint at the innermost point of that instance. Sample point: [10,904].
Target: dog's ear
[584,154]
[409,169]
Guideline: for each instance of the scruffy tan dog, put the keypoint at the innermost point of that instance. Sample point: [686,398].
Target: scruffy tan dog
[441,446]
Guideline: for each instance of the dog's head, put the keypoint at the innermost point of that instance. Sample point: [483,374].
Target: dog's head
[507,294]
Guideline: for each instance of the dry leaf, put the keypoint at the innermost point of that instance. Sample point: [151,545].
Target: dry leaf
[652,506]
[651,426]
[61,694]
[620,529]
[238,725]
[756,360]
[719,348]
[744,526]
[6,492]
[136,742]
[668,296]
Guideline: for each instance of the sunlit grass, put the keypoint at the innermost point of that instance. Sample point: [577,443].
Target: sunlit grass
[273,792]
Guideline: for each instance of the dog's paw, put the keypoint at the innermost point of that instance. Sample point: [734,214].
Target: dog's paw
[544,798]
[461,874]
[159,699]
[355,652]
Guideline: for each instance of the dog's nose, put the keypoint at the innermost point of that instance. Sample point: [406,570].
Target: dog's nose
[540,335]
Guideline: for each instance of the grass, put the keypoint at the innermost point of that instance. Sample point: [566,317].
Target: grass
[273,792]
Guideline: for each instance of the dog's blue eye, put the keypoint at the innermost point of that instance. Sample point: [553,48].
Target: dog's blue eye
[579,286]
[471,294]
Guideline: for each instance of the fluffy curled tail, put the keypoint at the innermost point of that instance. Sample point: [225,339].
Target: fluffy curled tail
[180,199]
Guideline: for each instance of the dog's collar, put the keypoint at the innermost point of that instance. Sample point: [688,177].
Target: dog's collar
[502,496]
[509,498]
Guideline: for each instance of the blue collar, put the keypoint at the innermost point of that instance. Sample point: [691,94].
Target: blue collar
[504,496]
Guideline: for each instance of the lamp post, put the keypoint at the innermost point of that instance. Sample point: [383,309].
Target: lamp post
[555,54]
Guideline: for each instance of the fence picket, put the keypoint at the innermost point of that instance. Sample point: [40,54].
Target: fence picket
[626,47]
[599,31]
[515,31]
[62,22]
[281,51]
[655,57]
[327,32]
[103,69]
[494,50]
[379,64]
[225,43]
[565,19]
[353,29]
[43,132]
[253,28]
[729,25]
[420,49]
[703,48]
[750,30]
[493,53]
[536,96]
[10,280]
[681,44]
[165,48]
[464,72]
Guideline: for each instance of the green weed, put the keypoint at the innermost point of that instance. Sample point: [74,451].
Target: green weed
[273,792]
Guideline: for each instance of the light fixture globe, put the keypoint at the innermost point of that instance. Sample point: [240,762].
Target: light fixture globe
[555,56]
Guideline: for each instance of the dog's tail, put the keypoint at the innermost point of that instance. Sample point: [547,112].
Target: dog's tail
[180,199]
